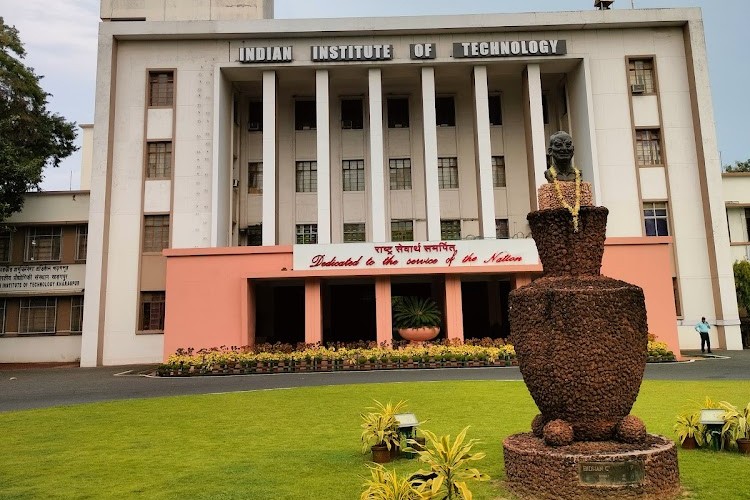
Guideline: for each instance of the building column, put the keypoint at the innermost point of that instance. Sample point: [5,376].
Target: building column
[383,312]
[322,112]
[484,153]
[313,311]
[454,315]
[429,122]
[377,162]
[536,143]
[269,227]
[248,312]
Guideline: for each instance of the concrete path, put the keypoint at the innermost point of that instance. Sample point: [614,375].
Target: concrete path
[34,387]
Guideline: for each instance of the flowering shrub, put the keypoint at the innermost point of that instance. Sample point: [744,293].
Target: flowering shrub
[658,351]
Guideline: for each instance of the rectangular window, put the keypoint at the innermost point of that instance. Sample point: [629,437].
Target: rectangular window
[352,114]
[354,232]
[255,177]
[450,229]
[159,160]
[152,311]
[545,109]
[76,313]
[307,176]
[353,175]
[5,239]
[160,88]
[402,230]
[2,316]
[641,75]
[255,235]
[445,111]
[155,233]
[399,171]
[496,111]
[255,116]
[448,173]
[37,315]
[304,115]
[82,241]
[648,147]
[747,223]
[655,218]
[43,243]
[498,171]
[501,229]
[307,234]
[398,112]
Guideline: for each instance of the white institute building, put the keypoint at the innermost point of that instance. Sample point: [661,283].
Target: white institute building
[222,133]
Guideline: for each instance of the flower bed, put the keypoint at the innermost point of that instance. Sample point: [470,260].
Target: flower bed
[658,352]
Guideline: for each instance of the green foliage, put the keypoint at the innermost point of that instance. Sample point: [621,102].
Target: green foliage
[379,425]
[31,137]
[415,312]
[387,485]
[689,425]
[736,421]
[742,283]
[738,166]
[449,461]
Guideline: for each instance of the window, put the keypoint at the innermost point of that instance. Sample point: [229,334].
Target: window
[307,176]
[2,316]
[307,234]
[398,112]
[354,175]
[43,243]
[159,160]
[448,173]
[400,173]
[304,115]
[501,229]
[445,111]
[5,240]
[255,116]
[152,311]
[76,313]
[37,315]
[402,230]
[545,109]
[747,223]
[496,111]
[354,232]
[450,229]
[498,171]
[255,235]
[655,218]
[160,88]
[255,177]
[352,114]
[641,76]
[648,147]
[82,241]
[155,233]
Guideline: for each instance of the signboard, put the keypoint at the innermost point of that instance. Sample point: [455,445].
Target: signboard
[611,473]
[339,53]
[510,49]
[42,278]
[420,254]
[249,55]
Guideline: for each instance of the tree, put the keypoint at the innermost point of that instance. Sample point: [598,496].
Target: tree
[738,166]
[31,137]
[742,283]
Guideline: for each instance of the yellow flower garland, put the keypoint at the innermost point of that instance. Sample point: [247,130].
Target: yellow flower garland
[577,208]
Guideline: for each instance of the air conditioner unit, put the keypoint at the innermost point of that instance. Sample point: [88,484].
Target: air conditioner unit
[235,183]
[346,124]
[253,126]
[638,88]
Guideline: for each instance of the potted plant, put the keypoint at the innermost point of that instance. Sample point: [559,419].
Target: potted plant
[417,319]
[387,485]
[380,430]
[737,425]
[689,430]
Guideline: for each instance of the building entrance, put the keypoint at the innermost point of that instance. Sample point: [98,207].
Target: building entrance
[279,312]
[485,308]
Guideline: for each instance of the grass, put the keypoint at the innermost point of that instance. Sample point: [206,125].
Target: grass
[299,443]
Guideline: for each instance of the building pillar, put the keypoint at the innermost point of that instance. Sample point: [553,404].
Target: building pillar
[432,191]
[313,311]
[486,189]
[536,143]
[249,313]
[377,162]
[454,315]
[322,114]
[269,159]
[383,311]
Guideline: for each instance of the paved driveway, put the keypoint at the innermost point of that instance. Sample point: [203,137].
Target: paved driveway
[44,387]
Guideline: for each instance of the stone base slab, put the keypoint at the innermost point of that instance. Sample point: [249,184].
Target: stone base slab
[537,471]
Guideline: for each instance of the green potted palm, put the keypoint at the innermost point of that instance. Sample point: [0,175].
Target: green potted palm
[737,425]
[380,430]
[689,430]
[417,319]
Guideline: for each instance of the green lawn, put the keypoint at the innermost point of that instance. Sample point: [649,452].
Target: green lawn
[299,443]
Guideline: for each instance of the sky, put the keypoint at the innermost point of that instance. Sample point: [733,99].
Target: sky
[60,37]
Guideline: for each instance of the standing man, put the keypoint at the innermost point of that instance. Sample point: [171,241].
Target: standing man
[703,327]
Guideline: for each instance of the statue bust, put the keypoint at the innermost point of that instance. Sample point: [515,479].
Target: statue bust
[560,152]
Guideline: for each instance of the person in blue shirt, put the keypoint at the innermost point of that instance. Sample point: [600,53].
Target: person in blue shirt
[703,327]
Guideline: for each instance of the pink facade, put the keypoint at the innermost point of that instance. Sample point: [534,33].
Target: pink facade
[212,293]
